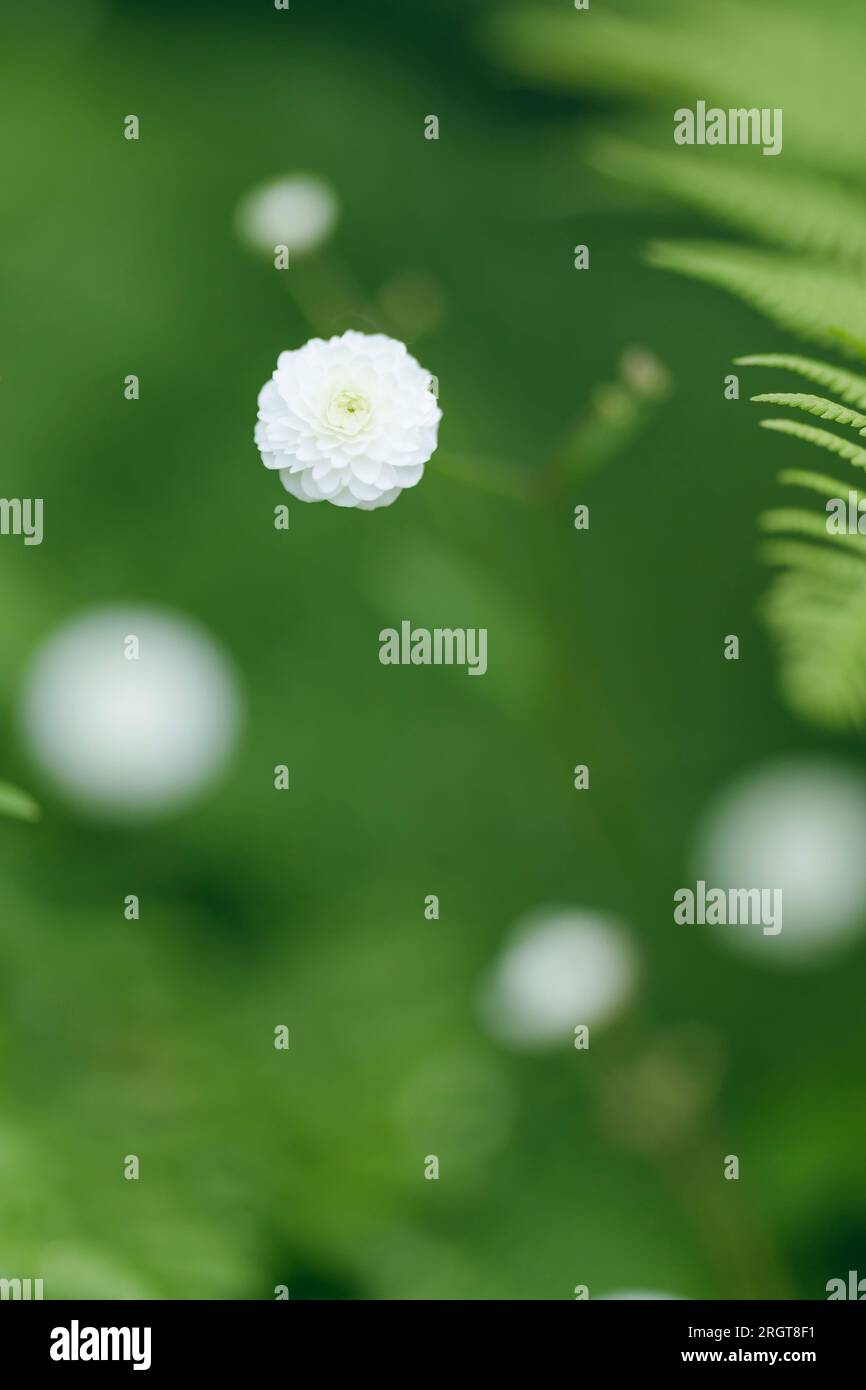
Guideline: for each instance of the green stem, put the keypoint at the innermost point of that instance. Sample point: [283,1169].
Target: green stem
[485,475]
[328,295]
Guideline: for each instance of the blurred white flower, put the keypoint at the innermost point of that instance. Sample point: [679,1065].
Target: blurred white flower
[561,968]
[123,735]
[298,211]
[798,824]
[350,420]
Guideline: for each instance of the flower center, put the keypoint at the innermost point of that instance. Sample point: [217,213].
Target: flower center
[348,411]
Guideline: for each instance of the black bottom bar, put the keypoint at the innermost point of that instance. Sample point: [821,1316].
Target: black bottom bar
[161,1339]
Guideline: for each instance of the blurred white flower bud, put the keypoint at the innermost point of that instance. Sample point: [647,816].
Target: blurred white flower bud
[642,371]
[799,825]
[561,968]
[130,711]
[299,211]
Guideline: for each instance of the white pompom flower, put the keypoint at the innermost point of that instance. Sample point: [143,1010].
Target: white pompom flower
[351,420]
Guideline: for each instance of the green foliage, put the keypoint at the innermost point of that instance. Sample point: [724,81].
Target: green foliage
[846,385]
[802,296]
[813,287]
[824,439]
[817,611]
[804,212]
[815,405]
[816,606]
[672,50]
[17,804]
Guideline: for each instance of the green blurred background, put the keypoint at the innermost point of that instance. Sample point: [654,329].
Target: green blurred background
[156,1038]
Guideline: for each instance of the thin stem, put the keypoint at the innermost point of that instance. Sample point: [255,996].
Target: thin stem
[328,295]
[485,475]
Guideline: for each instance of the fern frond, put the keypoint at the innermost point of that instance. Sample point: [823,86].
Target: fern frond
[644,56]
[810,434]
[816,604]
[798,522]
[818,617]
[804,212]
[610,54]
[851,343]
[846,385]
[815,405]
[809,299]
[814,562]
[817,482]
